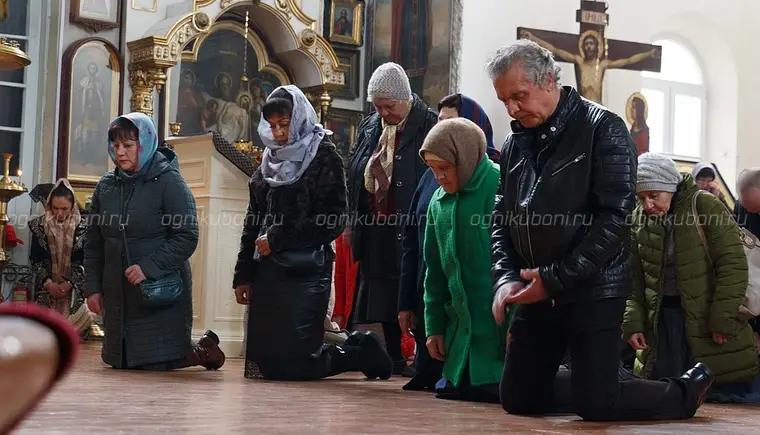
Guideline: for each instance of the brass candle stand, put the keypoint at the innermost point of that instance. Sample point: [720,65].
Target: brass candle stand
[11,55]
[252,151]
[9,189]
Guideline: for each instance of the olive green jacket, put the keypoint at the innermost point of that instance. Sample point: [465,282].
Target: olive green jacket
[710,294]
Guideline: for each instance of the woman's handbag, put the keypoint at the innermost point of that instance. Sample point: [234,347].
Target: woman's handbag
[751,306]
[297,260]
[155,292]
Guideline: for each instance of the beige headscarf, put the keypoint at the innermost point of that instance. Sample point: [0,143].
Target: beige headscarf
[458,141]
[60,235]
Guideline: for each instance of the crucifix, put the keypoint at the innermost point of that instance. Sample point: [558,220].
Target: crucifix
[593,54]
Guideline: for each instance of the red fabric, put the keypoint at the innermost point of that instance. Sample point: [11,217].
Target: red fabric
[11,241]
[407,345]
[345,279]
[68,344]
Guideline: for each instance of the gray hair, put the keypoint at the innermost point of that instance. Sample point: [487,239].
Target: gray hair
[536,61]
[748,178]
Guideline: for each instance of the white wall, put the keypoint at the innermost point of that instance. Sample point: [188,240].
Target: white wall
[717,32]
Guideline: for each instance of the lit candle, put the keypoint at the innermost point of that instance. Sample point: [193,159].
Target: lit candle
[19,177]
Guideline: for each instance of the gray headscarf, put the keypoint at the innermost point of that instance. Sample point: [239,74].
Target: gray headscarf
[285,164]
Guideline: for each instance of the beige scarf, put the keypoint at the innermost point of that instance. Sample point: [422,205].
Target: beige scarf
[60,238]
[379,170]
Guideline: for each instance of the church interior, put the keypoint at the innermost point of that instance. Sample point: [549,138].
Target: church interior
[678,72]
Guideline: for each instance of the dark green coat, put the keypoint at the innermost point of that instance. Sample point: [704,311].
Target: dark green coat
[162,232]
[458,293]
[711,303]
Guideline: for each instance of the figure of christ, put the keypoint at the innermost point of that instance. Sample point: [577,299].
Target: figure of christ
[590,64]
[232,121]
[342,26]
[411,38]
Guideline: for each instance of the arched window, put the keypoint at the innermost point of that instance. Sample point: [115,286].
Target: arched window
[677,97]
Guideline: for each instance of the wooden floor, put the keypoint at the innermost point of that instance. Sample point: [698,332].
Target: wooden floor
[97,400]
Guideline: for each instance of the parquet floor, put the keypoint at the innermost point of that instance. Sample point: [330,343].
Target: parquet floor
[98,400]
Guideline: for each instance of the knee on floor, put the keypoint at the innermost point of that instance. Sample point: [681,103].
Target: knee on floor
[591,412]
[517,406]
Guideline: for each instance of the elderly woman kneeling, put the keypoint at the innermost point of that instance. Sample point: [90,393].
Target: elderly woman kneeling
[460,328]
[687,291]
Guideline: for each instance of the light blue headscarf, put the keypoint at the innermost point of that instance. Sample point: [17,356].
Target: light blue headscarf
[283,165]
[147,136]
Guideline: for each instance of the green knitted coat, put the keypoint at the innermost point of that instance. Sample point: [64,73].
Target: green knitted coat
[710,299]
[458,293]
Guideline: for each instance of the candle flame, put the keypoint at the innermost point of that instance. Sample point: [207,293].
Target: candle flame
[19,172]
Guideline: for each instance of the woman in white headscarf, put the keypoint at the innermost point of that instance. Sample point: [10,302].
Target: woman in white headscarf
[57,256]
[284,269]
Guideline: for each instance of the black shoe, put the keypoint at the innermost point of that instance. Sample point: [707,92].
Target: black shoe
[374,360]
[210,335]
[354,338]
[701,378]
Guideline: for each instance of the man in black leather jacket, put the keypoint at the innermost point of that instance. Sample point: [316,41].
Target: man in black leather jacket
[560,251]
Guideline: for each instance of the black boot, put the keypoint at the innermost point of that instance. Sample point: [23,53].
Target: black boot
[362,352]
[701,378]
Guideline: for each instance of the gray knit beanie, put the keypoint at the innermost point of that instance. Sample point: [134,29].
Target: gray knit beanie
[657,172]
[389,81]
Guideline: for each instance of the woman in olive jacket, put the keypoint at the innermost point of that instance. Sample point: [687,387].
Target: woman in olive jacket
[684,305]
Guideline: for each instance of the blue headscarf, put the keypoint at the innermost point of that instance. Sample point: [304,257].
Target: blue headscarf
[285,164]
[473,111]
[147,137]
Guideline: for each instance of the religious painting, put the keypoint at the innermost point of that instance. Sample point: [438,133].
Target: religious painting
[350,90]
[637,112]
[223,86]
[95,14]
[591,53]
[684,165]
[92,83]
[424,39]
[344,20]
[343,123]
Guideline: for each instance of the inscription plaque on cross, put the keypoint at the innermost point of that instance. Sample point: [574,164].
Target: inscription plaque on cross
[591,53]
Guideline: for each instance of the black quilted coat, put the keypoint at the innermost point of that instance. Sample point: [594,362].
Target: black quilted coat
[565,192]
[288,308]
[162,232]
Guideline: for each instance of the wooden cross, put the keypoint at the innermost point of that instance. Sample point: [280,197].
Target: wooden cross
[593,54]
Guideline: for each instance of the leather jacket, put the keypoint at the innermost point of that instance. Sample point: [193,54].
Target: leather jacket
[565,193]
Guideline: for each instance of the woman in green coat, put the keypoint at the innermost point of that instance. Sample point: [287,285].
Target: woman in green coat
[683,308]
[460,328]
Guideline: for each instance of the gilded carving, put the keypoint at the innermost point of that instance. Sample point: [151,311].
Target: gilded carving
[283,8]
[153,55]
[308,37]
[201,21]
[142,91]
[333,74]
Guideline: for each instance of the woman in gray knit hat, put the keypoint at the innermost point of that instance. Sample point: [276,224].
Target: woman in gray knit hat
[383,173]
[689,279]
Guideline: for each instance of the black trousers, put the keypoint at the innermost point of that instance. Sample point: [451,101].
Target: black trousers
[329,360]
[541,334]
